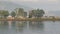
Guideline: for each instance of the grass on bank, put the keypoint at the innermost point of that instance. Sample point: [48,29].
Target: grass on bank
[31,19]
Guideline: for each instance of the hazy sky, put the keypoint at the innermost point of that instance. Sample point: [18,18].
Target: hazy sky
[47,5]
[43,4]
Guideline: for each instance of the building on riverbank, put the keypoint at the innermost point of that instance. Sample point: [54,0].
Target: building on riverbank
[10,17]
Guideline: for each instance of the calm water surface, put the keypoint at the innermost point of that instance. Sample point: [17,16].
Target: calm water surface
[23,27]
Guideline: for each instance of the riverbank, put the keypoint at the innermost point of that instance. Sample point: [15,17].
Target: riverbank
[31,19]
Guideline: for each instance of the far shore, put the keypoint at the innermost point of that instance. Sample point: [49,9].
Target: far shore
[30,19]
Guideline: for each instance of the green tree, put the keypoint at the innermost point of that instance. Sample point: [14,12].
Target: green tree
[4,13]
[40,12]
[30,15]
[1,13]
[37,13]
[19,11]
[13,14]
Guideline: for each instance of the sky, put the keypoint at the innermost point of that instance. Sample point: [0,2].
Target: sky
[47,5]
[43,4]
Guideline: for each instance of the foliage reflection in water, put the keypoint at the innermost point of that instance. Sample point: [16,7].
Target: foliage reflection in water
[28,27]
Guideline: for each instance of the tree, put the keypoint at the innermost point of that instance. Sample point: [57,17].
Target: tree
[30,15]
[1,13]
[4,13]
[37,13]
[13,14]
[40,13]
[19,11]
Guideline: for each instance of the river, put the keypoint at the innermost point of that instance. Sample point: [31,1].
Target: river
[27,27]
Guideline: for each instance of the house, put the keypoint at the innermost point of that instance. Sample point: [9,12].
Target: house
[10,17]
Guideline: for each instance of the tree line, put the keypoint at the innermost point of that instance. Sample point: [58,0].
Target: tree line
[34,12]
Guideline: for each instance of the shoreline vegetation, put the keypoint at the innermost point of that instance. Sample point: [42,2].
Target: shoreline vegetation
[32,19]
[19,14]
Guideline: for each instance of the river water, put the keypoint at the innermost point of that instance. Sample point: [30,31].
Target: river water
[27,27]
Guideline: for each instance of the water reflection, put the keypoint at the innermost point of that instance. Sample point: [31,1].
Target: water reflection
[23,27]
[20,26]
[9,24]
[36,26]
[3,27]
[1,22]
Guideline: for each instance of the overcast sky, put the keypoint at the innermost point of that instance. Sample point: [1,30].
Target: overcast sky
[43,4]
[47,5]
